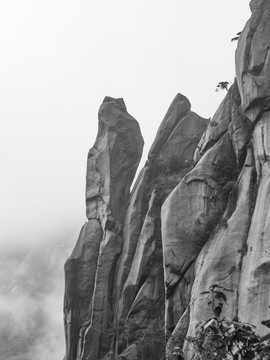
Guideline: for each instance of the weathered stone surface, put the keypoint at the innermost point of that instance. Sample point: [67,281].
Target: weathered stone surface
[90,270]
[229,116]
[188,217]
[140,284]
[254,297]
[235,255]
[112,163]
[80,272]
[148,246]
[198,216]
[167,163]
[95,339]
[253,61]
[178,109]
[93,301]
[162,172]
[220,261]
[216,126]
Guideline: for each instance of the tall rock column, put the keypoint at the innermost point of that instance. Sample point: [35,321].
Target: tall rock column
[253,61]
[253,77]
[216,222]
[192,211]
[111,166]
[139,294]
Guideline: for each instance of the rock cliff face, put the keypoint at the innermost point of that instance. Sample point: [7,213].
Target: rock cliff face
[140,278]
[111,166]
[198,215]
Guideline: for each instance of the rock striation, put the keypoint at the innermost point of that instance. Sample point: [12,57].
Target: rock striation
[140,279]
[198,215]
[114,277]
[111,165]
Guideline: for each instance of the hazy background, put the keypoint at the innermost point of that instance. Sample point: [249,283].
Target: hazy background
[59,58]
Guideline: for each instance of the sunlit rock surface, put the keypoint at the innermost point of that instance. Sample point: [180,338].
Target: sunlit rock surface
[198,216]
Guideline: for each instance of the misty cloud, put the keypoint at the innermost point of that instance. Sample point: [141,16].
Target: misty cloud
[31,302]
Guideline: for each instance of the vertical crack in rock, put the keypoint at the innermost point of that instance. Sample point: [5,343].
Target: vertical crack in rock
[220,261]
[254,286]
[140,281]
[189,216]
[198,215]
[252,67]
[253,61]
[235,252]
[111,166]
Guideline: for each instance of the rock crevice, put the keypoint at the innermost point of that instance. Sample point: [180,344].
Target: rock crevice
[198,215]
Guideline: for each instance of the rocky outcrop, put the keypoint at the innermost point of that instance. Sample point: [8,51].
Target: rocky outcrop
[111,166]
[253,61]
[204,199]
[252,66]
[140,280]
[198,216]
[235,255]
[114,277]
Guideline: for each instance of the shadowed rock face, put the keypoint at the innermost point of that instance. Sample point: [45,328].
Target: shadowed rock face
[198,215]
[112,163]
[205,221]
[140,281]
[235,254]
[111,166]
[114,277]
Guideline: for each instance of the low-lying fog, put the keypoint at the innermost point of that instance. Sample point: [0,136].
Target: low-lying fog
[31,301]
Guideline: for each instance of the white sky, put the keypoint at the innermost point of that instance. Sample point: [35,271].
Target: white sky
[59,58]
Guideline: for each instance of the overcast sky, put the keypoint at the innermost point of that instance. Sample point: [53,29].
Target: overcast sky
[59,58]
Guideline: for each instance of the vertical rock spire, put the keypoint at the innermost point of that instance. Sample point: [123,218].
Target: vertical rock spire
[198,216]
[111,165]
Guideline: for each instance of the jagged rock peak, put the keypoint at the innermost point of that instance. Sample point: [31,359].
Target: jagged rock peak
[178,109]
[119,101]
[152,256]
[113,271]
[112,161]
[90,270]
[169,159]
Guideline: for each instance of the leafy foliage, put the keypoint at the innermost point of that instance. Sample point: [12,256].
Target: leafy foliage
[222,85]
[151,337]
[222,339]
[228,339]
[218,298]
[148,336]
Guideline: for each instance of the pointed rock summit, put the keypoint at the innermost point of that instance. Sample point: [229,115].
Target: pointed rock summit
[197,218]
[111,165]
